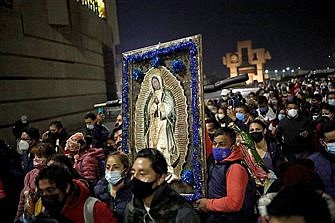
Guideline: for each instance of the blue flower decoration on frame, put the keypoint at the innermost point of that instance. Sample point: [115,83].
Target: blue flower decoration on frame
[151,55]
[138,75]
[156,61]
[187,176]
[177,66]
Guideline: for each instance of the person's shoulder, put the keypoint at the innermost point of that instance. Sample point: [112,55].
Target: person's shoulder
[125,190]
[32,174]
[101,127]
[100,204]
[95,153]
[101,186]
[271,140]
[237,168]
[187,214]
[102,212]
[178,202]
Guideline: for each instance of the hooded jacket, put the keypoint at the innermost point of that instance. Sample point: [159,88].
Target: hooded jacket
[88,166]
[74,206]
[167,206]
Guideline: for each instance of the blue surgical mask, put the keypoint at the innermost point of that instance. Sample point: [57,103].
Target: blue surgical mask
[220,153]
[331,102]
[240,116]
[281,116]
[331,148]
[113,177]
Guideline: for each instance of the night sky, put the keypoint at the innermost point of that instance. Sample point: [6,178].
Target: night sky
[296,32]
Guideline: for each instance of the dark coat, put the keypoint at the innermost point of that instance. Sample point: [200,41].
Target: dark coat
[98,136]
[117,204]
[276,153]
[288,134]
[167,207]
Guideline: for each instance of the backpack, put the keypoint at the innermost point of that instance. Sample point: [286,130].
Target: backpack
[89,208]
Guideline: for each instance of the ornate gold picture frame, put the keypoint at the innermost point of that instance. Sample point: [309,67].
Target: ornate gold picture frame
[162,100]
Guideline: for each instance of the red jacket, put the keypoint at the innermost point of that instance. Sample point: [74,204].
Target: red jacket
[74,207]
[237,181]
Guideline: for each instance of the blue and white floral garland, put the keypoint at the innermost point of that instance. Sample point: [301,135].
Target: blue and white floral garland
[155,55]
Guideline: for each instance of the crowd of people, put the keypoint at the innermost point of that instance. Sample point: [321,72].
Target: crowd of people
[83,154]
[292,130]
[270,158]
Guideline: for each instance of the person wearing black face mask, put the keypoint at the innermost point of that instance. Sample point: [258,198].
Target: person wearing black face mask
[56,136]
[153,199]
[266,145]
[64,199]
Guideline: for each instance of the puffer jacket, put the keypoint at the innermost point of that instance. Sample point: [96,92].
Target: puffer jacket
[167,206]
[88,165]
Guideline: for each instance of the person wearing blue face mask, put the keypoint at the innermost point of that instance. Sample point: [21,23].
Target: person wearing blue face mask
[230,190]
[331,98]
[325,159]
[265,112]
[281,114]
[240,116]
[114,188]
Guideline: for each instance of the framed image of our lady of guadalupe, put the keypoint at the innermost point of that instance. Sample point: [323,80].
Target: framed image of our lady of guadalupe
[162,98]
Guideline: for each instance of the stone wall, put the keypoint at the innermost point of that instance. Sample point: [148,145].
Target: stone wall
[52,62]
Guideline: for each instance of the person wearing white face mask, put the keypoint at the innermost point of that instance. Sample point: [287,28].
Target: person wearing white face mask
[114,188]
[222,116]
[295,132]
[29,137]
